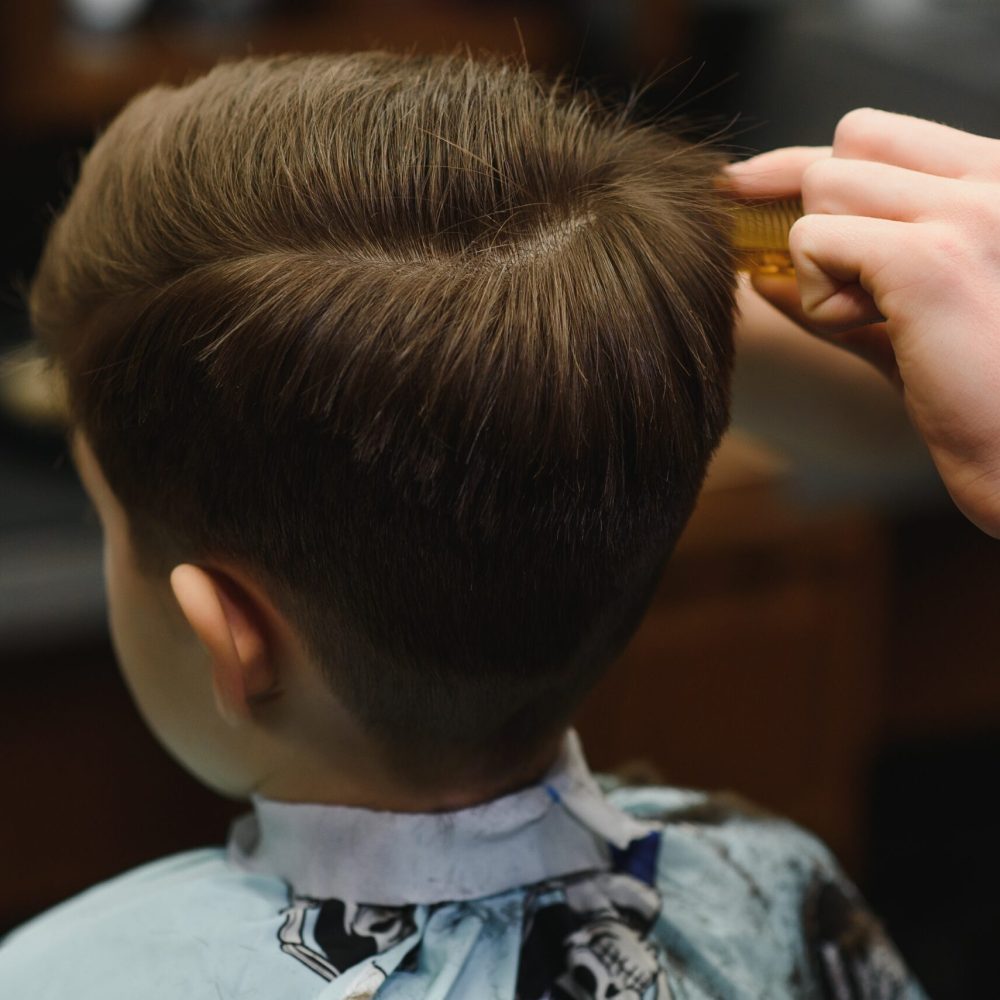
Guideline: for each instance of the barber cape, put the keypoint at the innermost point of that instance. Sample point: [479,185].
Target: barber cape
[565,890]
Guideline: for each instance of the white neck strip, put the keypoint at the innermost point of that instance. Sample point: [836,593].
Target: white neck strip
[561,826]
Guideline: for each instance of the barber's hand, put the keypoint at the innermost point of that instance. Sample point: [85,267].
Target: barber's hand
[898,260]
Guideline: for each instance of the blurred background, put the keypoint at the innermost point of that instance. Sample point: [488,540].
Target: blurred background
[826,639]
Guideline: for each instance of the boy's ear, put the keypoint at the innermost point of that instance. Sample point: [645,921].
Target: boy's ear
[222,615]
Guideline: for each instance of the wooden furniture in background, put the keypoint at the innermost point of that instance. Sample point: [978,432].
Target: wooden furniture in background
[57,78]
[944,671]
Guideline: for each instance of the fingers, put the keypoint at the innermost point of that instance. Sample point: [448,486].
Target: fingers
[866,134]
[835,258]
[915,144]
[777,174]
[834,186]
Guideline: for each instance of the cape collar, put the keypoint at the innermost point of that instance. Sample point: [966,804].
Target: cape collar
[561,826]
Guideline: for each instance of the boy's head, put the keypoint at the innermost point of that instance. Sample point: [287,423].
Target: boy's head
[424,355]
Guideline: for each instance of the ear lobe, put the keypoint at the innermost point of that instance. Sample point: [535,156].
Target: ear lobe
[225,624]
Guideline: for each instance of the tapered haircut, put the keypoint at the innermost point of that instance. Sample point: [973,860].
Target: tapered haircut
[435,348]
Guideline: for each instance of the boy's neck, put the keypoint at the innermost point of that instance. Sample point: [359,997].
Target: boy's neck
[367,786]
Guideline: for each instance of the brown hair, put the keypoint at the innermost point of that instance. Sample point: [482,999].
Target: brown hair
[436,350]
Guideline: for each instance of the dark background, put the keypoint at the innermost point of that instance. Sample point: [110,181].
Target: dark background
[867,603]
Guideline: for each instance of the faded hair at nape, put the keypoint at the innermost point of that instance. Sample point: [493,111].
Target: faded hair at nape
[436,348]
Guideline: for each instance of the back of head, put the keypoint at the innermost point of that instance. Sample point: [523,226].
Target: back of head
[435,350]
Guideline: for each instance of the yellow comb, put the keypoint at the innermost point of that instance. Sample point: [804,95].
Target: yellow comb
[761,234]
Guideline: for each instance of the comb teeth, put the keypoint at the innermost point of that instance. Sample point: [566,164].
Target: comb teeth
[761,233]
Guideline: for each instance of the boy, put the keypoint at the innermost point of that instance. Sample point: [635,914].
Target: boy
[393,382]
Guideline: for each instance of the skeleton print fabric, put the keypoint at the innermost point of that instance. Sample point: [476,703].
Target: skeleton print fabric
[582,938]
[330,936]
[588,938]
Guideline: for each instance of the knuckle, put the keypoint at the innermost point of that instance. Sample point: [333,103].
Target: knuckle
[942,258]
[986,212]
[802,234]
[972,213]
[986,167]
[945,244]
[857,130]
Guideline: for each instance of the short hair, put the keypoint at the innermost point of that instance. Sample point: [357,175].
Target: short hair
[434,347]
